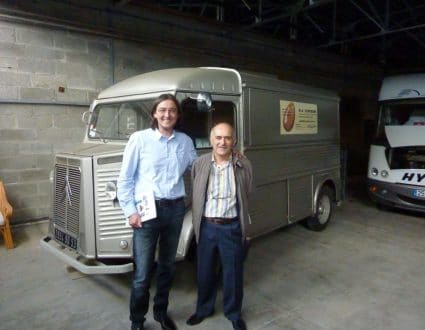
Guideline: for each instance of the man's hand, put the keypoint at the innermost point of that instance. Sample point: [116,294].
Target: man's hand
[135,220]
[237,154]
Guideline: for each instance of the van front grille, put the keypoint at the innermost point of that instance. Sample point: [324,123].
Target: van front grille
[66,202]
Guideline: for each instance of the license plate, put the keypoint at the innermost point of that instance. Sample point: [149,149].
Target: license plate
[66,239]
[419,193]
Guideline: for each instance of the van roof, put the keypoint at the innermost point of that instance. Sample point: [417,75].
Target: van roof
[207,79]
[408,86]
[213,80]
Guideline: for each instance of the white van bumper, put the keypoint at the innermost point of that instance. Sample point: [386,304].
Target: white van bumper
[83,265]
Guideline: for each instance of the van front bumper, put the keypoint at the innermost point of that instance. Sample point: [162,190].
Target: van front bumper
[406,197]
[83,265]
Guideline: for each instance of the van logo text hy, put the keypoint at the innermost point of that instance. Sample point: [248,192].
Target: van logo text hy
[411,177]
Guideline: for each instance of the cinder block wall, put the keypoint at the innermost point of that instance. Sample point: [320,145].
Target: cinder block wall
[35,61]
[30,134]
[47,79]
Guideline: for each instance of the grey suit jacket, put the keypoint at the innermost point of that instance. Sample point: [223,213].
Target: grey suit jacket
[200,173]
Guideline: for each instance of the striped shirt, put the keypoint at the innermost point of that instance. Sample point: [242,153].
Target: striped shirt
[221,192]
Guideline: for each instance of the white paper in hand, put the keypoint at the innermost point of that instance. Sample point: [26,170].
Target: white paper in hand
[145,204]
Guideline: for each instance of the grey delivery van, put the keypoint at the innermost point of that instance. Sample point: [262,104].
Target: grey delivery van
[290,132]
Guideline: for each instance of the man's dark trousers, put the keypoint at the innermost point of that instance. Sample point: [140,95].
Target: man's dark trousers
[220,242]
[166,228]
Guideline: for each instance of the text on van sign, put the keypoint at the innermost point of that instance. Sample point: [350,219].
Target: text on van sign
[411,177]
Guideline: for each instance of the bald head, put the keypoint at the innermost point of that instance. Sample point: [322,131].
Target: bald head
[223,126]
[222,139]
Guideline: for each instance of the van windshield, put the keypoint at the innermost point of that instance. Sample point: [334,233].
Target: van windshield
[117,121]
[400,114]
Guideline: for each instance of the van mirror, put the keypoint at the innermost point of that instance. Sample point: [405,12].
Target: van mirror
[203,102]
[85,117]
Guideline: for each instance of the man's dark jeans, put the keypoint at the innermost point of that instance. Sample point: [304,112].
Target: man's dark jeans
[165,229]
[220,243]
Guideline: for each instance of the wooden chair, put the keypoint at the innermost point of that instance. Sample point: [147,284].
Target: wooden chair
[6,210]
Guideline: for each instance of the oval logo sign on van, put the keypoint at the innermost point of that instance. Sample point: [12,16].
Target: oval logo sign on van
[409,92]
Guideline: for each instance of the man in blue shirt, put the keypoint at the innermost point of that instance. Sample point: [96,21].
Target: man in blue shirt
[154,161]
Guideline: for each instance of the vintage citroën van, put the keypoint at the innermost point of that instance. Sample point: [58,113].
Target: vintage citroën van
[290,132]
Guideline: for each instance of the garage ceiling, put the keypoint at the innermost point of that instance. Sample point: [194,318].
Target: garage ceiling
[384,32]
[389,34]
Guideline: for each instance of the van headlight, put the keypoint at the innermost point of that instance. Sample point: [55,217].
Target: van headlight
[111,190]
[384,173]
[374,171]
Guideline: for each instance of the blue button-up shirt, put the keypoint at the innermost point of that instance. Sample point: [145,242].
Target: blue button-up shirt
[152,162]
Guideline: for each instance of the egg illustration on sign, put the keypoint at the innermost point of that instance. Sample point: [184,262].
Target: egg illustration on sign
[289,117]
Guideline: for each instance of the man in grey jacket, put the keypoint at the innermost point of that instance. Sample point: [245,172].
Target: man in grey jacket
[221,184]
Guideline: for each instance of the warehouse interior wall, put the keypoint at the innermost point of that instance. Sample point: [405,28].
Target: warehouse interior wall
[357,122]
[50,74]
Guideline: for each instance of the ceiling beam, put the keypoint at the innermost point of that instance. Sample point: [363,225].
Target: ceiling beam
[373,35]
[364,12]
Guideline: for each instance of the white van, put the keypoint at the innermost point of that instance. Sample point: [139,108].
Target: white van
[396,172]
[290,132]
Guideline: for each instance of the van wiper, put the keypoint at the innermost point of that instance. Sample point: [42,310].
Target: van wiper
[93,132]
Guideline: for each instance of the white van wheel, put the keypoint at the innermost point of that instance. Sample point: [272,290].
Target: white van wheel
[324,210]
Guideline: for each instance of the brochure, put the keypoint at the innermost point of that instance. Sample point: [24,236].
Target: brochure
[145,204]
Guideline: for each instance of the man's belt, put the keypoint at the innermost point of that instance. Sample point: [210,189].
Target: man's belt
[220,221]
[164,202]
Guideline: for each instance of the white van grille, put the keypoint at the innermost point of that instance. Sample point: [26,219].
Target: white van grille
[66,202]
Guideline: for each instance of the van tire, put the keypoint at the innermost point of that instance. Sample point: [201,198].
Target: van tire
[324,210]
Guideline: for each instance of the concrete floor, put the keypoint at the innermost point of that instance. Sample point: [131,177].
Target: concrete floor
[365,271]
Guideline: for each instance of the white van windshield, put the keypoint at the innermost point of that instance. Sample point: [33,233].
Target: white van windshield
[117,121]
[400,114]
[403,114]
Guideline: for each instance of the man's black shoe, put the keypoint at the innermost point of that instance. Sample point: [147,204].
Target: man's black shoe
[239,324]
[167,323]
[194,319]
[137,326]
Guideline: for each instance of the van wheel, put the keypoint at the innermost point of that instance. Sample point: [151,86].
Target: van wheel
[324,210]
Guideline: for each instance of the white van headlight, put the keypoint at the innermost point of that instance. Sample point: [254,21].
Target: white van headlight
[384,173]
[374,171]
